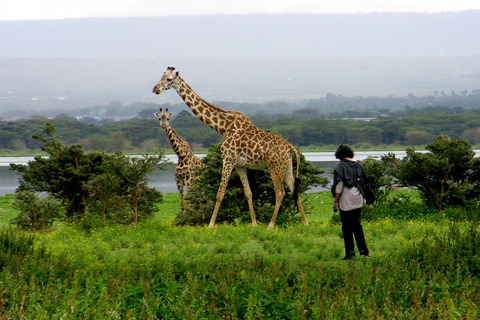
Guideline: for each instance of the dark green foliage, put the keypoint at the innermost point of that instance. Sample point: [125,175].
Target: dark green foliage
[448,175]
[202,195]
[136,130]
[120,193]
[92,186]
[62,174]
[380,179]
[314,125]
[36,212]
[13,245]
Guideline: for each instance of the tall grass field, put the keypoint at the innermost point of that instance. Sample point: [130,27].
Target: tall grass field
[418,269]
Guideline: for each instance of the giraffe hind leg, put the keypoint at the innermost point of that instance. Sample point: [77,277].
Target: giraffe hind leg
[242,172]
[293,185]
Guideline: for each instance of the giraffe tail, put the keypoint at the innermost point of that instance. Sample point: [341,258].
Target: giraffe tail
[296,193]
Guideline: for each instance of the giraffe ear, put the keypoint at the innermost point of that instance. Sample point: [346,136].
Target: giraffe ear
[156,115]
[177,73]
[170,115]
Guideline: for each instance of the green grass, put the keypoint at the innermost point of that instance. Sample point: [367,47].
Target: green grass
[154,270]
[7,213]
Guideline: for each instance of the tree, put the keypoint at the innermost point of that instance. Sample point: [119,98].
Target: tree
[380,179]
[202,195]
[121,193]
[472,136]
[62,174]
[36,212]
[94,180]
[369,134]
[416,137]
[448,175]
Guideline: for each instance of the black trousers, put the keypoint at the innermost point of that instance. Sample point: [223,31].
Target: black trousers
[351,227]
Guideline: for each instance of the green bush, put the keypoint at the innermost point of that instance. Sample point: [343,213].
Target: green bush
[36,212]
[380,178]
[447,175]
[113,187]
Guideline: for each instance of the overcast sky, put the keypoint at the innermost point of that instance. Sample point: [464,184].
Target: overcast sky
[60,9]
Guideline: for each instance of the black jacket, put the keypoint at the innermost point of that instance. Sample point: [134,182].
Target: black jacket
[352,174]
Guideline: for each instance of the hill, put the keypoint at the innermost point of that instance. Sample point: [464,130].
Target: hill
[82,63]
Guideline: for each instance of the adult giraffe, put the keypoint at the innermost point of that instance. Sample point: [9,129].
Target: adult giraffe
[187,161]
[244,146]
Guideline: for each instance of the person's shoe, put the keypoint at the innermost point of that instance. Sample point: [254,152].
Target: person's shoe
[365,254]
[348,258]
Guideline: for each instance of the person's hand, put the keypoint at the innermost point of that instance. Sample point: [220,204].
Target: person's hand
[335,206]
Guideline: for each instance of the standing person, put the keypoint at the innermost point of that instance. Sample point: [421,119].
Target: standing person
[348,189]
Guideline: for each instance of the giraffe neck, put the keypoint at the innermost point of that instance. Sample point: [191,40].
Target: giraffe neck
[180,147]
[213,116]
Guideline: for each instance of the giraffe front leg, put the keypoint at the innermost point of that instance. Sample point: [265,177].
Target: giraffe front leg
[242,172]
[226,172]
[180,190]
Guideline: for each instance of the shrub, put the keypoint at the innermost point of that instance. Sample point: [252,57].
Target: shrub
[447,175]
[36,212]
[380,179]
[113,187]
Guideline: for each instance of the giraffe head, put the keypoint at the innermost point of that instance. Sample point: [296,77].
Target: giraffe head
[168,81]
[163,118]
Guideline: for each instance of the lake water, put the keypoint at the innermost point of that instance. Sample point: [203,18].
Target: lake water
[164,180]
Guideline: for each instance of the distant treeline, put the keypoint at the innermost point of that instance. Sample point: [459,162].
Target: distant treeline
[452,102]
[330,106]
[305,127]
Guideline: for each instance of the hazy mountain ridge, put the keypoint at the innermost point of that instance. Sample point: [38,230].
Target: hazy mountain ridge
[34,84]
[82,63]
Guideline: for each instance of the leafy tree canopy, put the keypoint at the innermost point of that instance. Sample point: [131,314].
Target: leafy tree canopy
[447,175]
[86,182]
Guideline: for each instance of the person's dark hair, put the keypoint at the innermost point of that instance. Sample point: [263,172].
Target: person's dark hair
[344,151]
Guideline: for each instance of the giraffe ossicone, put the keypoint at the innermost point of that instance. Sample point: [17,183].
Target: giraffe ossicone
[187,161]
[244,147]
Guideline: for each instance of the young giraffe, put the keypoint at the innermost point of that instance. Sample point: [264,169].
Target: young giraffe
[187,161]
[244,146]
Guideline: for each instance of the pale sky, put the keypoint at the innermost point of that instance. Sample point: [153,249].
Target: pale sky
[60,9]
